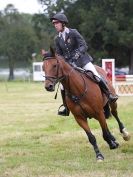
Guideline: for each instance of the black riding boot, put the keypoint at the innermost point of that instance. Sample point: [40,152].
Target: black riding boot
[65,111]
[104,87]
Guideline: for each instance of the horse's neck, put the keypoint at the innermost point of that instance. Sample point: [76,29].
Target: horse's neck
[74,80]
[67,69]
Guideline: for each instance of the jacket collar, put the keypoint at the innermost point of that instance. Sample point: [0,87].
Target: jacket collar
[66,31]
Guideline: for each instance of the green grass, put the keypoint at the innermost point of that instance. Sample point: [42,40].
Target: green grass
[35,142]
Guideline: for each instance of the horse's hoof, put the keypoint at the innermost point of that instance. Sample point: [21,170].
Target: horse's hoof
[126,136]
[114,145]
[100,158]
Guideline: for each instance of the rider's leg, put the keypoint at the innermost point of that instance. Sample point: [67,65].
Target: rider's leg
[65,111]
[102,83]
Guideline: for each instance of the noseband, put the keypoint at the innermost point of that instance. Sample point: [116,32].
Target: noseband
[75,98]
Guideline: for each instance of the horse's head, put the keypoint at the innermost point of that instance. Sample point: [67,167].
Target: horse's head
[52,69]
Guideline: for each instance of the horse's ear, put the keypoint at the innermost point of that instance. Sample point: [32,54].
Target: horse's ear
[52,51]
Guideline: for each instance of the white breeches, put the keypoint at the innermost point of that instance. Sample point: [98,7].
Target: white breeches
[90,66]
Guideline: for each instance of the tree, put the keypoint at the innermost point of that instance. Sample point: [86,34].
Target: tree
[44,30]
[106,25]
[18,38]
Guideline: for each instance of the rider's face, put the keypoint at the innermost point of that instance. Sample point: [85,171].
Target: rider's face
[58,26]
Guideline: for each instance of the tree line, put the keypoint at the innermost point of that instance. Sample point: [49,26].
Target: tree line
[105,24]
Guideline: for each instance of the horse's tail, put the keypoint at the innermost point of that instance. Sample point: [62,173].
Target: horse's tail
[107,112]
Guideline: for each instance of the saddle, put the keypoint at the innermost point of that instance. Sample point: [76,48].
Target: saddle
[89,74]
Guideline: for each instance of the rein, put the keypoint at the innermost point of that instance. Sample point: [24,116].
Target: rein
[57,79]
[59,83]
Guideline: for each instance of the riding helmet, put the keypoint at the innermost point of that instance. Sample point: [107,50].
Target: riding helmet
[60,17]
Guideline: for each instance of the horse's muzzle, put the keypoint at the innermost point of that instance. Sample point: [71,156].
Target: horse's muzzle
[50,88]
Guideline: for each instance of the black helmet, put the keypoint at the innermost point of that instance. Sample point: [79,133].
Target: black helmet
[60,17]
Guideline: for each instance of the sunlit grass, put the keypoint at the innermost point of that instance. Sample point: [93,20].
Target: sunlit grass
[35,142]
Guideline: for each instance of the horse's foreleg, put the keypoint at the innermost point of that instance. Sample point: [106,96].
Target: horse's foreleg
[92,140]
[107,136]
[123,131]
[84,124]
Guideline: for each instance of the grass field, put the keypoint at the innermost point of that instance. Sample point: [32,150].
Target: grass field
[35,142]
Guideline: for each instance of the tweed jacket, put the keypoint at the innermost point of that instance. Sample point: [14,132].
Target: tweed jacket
[72,44]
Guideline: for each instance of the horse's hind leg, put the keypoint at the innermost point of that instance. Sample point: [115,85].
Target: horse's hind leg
[109,138]
[123,131]
[84,124]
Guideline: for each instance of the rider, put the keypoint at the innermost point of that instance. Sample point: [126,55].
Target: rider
[71,45]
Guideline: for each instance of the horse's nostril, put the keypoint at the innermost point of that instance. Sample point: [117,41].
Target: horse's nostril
[49,87]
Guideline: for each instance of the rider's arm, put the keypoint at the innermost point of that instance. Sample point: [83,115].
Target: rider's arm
[82,46]
[57,46]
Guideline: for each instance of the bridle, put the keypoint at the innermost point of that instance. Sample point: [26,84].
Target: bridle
[55,79]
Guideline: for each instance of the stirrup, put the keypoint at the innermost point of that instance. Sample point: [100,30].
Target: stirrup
[64,112]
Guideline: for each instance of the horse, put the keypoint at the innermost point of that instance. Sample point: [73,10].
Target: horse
[84,99]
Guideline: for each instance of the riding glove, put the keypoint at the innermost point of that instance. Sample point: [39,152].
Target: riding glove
[77,54]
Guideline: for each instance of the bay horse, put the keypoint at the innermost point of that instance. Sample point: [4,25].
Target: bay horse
[84,99]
